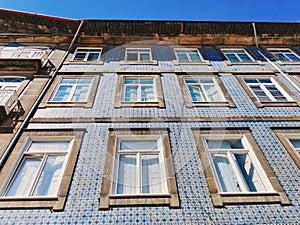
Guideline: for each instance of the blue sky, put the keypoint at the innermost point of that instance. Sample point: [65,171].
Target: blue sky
[193,10]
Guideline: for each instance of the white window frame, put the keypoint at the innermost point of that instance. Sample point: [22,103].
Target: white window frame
[25,154]
[139,89]
[202,92]
[273,51]
[73,89]
[139,154]
[139,51]
[266,91]
[187,51]
[230,154]
[87,52]
[236,54]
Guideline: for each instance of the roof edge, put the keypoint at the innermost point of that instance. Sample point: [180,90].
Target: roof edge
[39,15]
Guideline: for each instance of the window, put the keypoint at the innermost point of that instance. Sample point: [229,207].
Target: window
[235,169]
[234,166]
[72,91]
[188,55]
[266,91]
[10,83]
[290,138]
[139,162]
[38,169]
[138,91]
[87,54]
[237,55]
[203,90]
[284,55]
[138,54]
[140,167]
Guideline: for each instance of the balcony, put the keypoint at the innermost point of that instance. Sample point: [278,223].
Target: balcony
[22,59]
[8,100]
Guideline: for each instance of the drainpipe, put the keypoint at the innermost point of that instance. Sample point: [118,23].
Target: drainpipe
[286,76]
[37,102]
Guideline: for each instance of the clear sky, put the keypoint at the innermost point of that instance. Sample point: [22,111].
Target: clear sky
[192,10]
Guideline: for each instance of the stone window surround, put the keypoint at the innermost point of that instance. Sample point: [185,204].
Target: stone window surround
[88,104]
[283,134]
[107,200]
[159,93]
[257,103]
[54,203]
[222,199]
[187,99]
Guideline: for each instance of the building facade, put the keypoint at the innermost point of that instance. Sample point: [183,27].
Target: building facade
[151,122]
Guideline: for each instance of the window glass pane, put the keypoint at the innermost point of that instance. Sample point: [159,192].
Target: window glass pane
[50,177]
[93,56]
[292,57]
[80,94]
[62,93]
[147,94]
[206,80]
[281,57]
[245,58]
[146,81]
[69,81]
[191,81]
[85,81]
[250,173]
[139,145]
[232,57]
[265,80]
[144,57]
[250,80]
[151,178]
[23,180]
[212,93]
[127,176]
[131,81]
[260,94]
[80,56]
[225,173]
[225,144]
[130,94]
[196,93]
[43,146]
[132,56]
[295,143]
[182,57]
[195,57]
[276,93]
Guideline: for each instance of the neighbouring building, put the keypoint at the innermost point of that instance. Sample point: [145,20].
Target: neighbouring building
[148,122]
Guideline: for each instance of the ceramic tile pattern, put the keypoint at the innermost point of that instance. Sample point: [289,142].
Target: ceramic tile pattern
[196,207]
